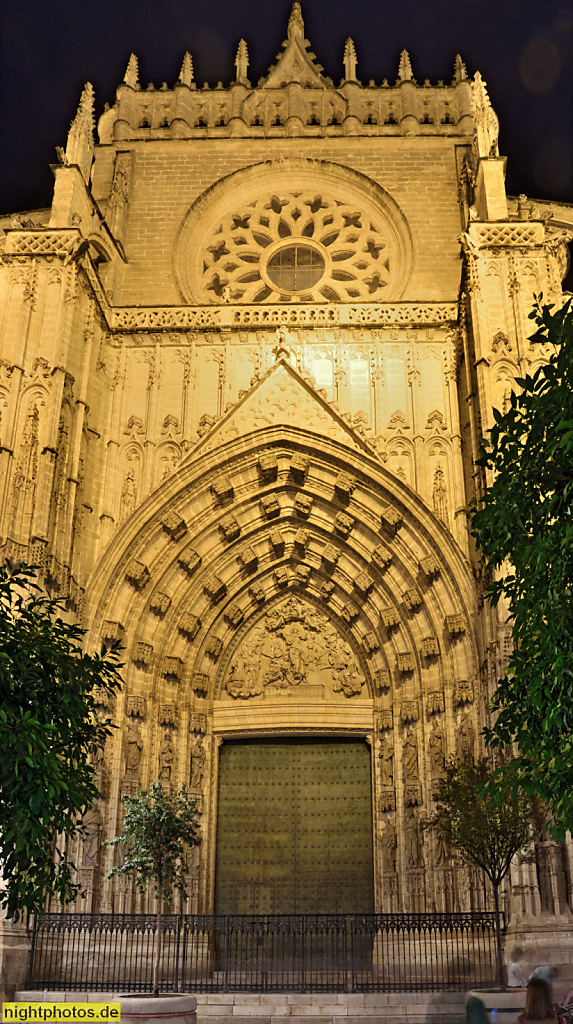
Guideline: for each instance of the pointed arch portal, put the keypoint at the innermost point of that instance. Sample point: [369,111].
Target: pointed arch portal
[293,613]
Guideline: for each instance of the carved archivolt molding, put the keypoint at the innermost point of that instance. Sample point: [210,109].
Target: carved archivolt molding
[297,230]
[190,605]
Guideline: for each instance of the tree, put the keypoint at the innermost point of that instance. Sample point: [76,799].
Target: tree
[48,726]
[486,828]
[156,827]
[524,528]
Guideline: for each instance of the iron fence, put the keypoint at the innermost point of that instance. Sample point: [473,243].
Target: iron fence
[265,953]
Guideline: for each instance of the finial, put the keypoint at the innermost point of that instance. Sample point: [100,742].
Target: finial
[405,67]
[350,60]
[460,73]
[79,147]
[242,63]
[131,76]
[295,23]
[186,73]
[486,124]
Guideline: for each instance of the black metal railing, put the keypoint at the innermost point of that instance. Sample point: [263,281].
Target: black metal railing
[265,953]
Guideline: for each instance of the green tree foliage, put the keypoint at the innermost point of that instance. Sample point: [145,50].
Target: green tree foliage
[48,725]
[486,828]
[524,528]
[157,827]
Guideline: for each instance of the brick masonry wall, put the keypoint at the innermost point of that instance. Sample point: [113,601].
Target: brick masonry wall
[419,174]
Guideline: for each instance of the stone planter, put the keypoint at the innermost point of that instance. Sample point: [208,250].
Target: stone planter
[140,1008]
[503,1007]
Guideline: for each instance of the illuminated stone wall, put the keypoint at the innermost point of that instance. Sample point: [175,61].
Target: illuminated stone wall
[242,385]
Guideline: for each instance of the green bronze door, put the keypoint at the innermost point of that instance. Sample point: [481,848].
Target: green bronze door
[294,831]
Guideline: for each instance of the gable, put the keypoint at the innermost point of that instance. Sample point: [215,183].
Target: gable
[281,398]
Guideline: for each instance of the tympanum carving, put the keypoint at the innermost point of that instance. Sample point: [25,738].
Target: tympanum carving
[293,647]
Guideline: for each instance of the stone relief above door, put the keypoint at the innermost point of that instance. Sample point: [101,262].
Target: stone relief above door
[294,650]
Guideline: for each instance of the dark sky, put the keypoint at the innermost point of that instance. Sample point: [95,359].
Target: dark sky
[48,49]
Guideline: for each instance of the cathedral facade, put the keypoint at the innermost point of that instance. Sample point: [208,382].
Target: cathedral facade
[247,357]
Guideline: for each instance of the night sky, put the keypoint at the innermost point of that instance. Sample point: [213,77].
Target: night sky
[48,49]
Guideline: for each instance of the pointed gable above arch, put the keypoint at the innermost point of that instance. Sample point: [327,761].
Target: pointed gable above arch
[282,398]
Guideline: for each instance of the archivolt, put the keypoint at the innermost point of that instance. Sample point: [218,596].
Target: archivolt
[239,525]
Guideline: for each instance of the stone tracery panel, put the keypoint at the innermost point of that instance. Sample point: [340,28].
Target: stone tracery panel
[303,231]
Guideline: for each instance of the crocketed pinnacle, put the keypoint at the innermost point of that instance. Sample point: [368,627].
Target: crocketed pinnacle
[186,73]
[79,146]
[295,23]
[242,62]
[131,76]
[350,61]
[460,73]
[405,68]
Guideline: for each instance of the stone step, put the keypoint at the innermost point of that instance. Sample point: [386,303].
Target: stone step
[301,1008]
[330,1008]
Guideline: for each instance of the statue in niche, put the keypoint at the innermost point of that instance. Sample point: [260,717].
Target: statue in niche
[413,844]
[437,749]
[293,646]
[91,830]
[198,757]
[166,760]
[389,843]
[128,496]
[134,746]
[193,862]
[97,757]
[410,767]
[440,496]
[442,852]
[386,757]
[26,472]
[466,738]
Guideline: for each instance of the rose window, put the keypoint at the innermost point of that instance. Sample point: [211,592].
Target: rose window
[300,247]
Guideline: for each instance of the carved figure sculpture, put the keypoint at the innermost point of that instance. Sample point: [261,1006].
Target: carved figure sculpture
[466,738]
[410,768]
[440,496]
[128,496]
[437,749]
[134,746]
[386,757]
[193,862]
[413,844]
[389,847]
[91,827]
[442,852]
[166,760]
[198,756]
[97,757]
[292,644]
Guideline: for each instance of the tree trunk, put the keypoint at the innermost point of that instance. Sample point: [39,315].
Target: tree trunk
[500,976]
[158,937]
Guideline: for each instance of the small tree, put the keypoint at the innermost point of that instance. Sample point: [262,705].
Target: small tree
[156,827]
[524,529]
[486,828]
[48,727]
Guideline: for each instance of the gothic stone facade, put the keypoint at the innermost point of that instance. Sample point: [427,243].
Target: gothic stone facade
[246,360]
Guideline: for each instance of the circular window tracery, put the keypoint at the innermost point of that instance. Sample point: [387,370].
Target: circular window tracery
[319,248]
[225,246]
